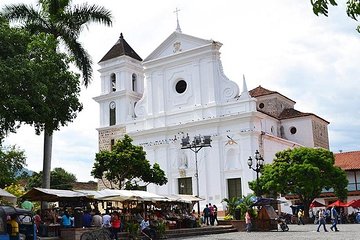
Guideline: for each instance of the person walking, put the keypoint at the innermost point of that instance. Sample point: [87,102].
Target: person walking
[248,221]
[215,215]
[322,220]
[334,219]
[211,214]
[206,213]
[300,217]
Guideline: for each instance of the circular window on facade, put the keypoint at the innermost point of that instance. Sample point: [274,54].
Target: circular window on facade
[180,86]
[261,105]
[293,130]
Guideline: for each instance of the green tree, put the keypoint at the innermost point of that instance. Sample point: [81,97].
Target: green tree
[60,179]
[65,22]
[303,172]
[322,7]
[126,165]
[12,160]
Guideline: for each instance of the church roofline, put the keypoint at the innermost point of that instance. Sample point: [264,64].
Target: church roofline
[121,48]
[171,38]
[260,91]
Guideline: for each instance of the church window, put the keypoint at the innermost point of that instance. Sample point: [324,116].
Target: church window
[134,79]
[272,129]
[113,82]
[181,86]
[234,188]
[112,113]
[293,130]
[185,185]
[261,105]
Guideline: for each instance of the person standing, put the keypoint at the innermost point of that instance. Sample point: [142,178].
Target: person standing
[97,219]
[215,215]
[322,220]
[300,217]
[206,213]
[14,233]
[211,208]
[106,220]
[334,219]
[86,219]
[115,225]
[248,221]
[65,220]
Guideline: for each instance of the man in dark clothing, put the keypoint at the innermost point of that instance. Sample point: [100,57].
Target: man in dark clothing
[87,219]
[206,213]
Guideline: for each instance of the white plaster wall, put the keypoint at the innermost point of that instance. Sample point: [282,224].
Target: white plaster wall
[304,133]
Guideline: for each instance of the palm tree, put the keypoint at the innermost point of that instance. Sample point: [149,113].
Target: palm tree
[65,22]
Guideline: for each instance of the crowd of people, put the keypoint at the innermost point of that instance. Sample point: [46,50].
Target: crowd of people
[209,215]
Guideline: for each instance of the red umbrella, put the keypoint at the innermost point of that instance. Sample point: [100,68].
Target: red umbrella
[337,203]
[354,203]
[316,204]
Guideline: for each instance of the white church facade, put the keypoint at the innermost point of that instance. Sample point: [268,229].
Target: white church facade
[180,89]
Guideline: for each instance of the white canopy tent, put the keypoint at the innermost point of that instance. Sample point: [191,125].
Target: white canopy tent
[7,196]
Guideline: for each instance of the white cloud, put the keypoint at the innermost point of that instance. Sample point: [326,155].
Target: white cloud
[280,45]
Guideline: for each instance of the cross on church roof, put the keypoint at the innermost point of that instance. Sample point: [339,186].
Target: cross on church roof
[178,29]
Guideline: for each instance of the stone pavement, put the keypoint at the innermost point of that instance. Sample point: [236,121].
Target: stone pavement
[347,232]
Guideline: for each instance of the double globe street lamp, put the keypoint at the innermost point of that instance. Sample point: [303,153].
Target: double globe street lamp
[196,145]
[258,166]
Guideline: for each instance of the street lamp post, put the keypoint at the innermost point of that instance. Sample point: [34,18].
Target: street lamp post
[196,145]
[259,164]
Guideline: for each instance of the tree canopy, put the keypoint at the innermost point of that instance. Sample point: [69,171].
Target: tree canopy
[304,172]
[59,179]
[64,21]
[126,165]
[36,86]
[322,7]
[12,161]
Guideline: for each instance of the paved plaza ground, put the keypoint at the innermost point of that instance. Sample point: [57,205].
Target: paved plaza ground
[347,232]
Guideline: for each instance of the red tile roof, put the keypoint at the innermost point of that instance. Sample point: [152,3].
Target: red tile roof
[348,160]
[292,113]
[260,91]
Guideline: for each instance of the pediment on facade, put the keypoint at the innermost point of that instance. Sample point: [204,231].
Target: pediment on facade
[176,43]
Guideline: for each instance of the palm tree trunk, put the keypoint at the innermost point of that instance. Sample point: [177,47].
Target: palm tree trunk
[47,159]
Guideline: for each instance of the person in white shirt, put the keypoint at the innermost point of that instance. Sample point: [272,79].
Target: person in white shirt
[106,220]
[146,229]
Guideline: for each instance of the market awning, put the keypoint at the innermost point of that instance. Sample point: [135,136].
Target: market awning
[266,201]
[337,203]
[315,204]
[128,195]
[183,198]
[53,195]
[7,196]
[354,203]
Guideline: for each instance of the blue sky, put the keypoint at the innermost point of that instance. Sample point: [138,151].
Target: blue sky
[280,45]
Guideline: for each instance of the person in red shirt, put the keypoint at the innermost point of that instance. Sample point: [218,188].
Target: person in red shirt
[115,225]
[37,219]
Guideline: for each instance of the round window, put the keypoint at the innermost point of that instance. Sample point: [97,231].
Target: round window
[261,105]
[180,86]
[293,130]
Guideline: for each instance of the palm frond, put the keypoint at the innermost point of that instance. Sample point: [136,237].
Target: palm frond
[81,57]
[85,13]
